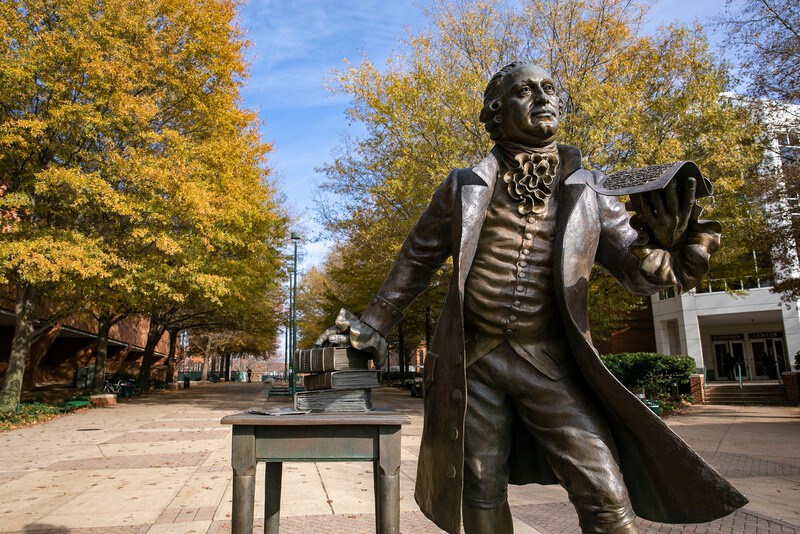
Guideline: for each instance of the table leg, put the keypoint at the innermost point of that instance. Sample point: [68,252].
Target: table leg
[387,481]
[272,500]
[244,479]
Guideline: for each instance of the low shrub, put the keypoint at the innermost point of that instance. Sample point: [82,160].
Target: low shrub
[28,414]
[651,371]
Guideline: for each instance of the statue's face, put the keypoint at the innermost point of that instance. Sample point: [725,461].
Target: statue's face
[530,107]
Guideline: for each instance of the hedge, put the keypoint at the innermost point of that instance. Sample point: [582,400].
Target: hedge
[651,371]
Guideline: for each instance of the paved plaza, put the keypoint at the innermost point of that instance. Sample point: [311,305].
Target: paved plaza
[159,464]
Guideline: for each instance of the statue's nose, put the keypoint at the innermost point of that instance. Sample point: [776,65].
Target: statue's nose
[539,96]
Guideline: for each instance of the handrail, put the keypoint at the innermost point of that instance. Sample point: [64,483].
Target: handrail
[741,389]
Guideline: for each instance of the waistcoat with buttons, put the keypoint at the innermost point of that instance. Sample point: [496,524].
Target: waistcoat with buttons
[509,294]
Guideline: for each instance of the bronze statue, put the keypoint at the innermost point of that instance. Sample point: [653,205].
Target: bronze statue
[514,390]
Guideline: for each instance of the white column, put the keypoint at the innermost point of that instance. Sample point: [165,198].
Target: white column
[791,329]
[689,329]
[662,336]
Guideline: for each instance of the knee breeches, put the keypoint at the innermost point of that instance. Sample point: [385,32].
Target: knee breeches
[566,425]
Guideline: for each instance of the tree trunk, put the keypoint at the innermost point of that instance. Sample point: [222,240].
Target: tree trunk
[172,376]
[24,333]
[104,325]
[204,369]
[206,360]
[154,333]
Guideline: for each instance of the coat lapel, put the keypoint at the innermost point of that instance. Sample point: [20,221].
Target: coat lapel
[573,254]
[474,204]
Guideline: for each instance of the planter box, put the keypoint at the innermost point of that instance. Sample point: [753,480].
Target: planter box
[105,399]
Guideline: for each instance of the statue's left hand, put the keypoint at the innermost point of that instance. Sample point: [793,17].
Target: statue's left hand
[664,215]
[656,263]
[674,245]
[360,335]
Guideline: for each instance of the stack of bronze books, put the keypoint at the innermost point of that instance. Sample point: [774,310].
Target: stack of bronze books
[339,379]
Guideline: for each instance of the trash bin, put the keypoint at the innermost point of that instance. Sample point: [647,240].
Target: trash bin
[186,381]
[654,405]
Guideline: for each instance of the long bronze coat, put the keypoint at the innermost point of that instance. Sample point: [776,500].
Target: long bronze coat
[666,480]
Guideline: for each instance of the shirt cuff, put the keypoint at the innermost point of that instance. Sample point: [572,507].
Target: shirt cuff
[381,315]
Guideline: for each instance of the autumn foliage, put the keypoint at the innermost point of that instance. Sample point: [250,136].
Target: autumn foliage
[629,100]
[134,180]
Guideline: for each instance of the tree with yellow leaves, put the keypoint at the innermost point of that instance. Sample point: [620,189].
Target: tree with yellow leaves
[629,100]
[137,180]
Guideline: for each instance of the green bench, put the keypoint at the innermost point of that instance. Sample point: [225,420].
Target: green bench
[74,404]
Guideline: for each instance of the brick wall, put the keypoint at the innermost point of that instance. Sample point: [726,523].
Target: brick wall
[697,390]
[791,388]
[637,335]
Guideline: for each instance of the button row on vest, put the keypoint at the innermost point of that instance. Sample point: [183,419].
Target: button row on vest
[520,288]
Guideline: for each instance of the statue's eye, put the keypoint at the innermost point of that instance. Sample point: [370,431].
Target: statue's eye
[549,88]
[524,91]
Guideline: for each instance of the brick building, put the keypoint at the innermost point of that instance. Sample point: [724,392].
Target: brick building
[69,345]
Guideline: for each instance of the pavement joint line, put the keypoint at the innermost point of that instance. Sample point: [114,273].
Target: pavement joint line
[324,488]
[727,429]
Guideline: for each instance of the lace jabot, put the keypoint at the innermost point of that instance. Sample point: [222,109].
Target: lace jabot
[531,174]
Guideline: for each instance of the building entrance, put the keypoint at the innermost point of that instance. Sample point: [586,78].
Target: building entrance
[729,357]
[769,356]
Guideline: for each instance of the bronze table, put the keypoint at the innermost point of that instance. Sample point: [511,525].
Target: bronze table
[342,437]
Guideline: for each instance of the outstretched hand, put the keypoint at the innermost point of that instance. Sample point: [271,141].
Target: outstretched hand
[360,335]
[664,215]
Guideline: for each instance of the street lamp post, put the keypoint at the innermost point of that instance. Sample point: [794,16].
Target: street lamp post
[286,338]
[293,319]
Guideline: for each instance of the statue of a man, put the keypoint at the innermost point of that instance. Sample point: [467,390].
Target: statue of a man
[514,390]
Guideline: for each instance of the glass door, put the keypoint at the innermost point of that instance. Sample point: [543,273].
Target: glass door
[723,361]
[780,356]
[737,349]
[761,359]
[729,360]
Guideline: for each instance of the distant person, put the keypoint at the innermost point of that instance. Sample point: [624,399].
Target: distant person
[730,366]
[249,375]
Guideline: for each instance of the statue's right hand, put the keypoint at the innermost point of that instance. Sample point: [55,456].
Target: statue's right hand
[331,336]
[360,335]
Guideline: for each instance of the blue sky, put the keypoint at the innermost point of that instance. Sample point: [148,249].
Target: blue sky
[296,44]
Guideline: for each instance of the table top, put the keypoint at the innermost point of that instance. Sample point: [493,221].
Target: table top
[374,417]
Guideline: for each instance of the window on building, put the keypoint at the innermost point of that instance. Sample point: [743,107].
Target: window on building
[788,139]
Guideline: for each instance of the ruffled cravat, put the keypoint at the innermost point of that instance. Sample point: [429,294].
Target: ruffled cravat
[531,175]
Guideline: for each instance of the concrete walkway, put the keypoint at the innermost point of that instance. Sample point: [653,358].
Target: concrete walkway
[159,464]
